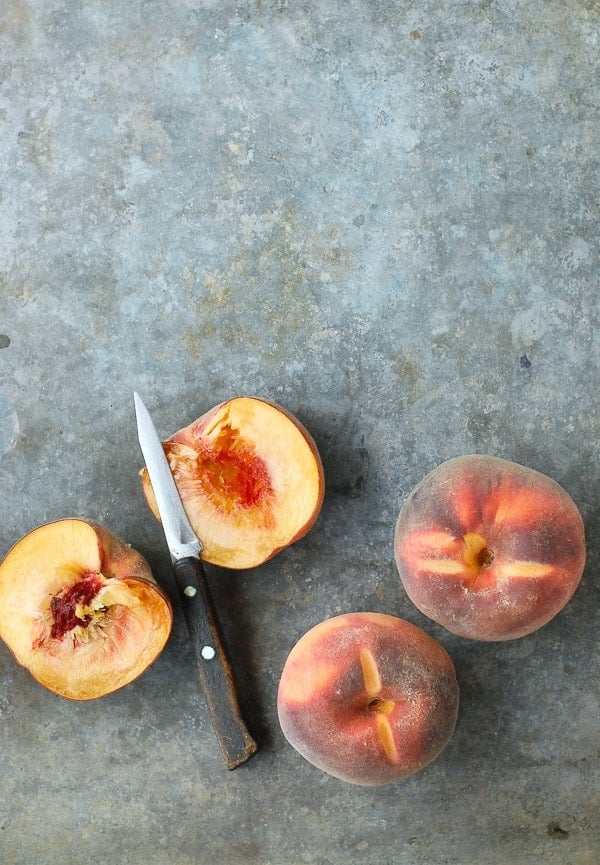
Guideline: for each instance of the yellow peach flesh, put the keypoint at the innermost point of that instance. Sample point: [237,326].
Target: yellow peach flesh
[80,609]
[250,479]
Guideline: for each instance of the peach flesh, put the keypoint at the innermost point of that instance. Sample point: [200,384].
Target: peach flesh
[368,698]
[250,478]
[488,548]
[80,609]
[231,472]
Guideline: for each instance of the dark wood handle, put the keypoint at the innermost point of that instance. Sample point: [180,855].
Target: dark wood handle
[216,675]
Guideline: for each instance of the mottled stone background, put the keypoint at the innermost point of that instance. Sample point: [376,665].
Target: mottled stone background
[383,215]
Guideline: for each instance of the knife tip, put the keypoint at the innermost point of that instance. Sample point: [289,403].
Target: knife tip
[138,405]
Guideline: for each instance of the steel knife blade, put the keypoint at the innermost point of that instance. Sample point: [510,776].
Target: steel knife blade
[214,669]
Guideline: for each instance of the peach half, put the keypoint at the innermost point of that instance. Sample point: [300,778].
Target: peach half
[489,549]
[368,698]
[80,609]
[250,479]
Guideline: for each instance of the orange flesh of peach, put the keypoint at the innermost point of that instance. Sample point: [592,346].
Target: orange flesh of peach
[250,479]
[80,609]
[231,472]
[228,474]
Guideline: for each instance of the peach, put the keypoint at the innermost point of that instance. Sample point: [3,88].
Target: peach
[80,609]
[488,548]
[368,698]
[250,478]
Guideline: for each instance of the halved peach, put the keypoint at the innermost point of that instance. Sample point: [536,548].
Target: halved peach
[250,479]
[368,698]
[80,609]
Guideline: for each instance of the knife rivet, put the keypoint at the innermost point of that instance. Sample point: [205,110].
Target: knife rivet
[190,591]
[208,653]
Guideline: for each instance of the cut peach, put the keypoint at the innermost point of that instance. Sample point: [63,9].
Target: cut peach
[368,698]
[250,479]
[489,549]
[80,609]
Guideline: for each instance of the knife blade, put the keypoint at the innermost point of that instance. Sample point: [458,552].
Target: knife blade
[214,668]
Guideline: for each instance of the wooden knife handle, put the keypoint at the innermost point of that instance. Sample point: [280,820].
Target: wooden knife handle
[216,675]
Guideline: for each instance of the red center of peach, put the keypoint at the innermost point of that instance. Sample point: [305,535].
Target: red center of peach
[227,469]
[237,475]
[63,606]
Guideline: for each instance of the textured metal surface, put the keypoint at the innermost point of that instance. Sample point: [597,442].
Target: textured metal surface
[385,217]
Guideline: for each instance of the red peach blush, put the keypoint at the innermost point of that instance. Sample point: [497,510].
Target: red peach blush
[488,548]
[368,698]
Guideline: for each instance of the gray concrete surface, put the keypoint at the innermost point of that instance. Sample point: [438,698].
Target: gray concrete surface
[383,215]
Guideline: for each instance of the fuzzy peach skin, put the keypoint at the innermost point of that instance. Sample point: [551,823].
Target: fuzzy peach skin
[488,548]
[80,609]
[368,698]
[250,478]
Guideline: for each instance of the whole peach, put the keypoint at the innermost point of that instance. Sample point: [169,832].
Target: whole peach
[488,548]
[368,698]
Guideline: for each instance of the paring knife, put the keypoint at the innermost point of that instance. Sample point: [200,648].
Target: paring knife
[215,672]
